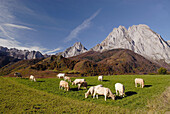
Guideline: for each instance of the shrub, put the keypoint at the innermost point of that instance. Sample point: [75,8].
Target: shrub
[162,70]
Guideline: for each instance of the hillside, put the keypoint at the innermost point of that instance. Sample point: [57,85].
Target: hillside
[19,66]
[117,61]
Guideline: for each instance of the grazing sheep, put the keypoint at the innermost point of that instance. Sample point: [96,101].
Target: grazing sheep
[17,74]
[32,78]
[100,78]
[64,84]
[120,89]
[91,90]
[67,78]
[77,81]
[61,75]
[139,81]
[84,84]
[103,91]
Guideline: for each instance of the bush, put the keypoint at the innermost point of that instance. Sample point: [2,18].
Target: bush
[162,70]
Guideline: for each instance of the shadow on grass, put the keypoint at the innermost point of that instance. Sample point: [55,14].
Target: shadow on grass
[118,97]
[74,89]
[130,93]
[148,86]
[41,81]
[105,80]
[24,78]
[91,85]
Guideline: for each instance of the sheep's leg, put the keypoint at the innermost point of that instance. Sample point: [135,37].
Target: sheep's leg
[97,96]
[123,94]
[94,95]
[142,85]
[116,92]
[105,97]
[135,84]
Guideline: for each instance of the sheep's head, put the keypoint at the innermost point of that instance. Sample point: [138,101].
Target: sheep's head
[86,95]
[112,96]
[73,83]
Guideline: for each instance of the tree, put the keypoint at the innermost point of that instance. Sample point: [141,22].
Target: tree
[162,70]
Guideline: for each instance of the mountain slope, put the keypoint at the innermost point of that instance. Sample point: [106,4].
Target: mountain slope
[138,38]
[19,66]
[118,61]
[76,49]
[4,59]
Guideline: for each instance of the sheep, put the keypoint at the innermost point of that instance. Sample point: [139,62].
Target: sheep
[91,90]
[17,74]
[139,81]
[64,84]
[84,84]
[67,78]
[100,78]
[103,91]
[76,81]
[61,75]
[120,89]
[32,78]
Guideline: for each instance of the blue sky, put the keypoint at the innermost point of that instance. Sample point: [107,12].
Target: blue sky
[51,26]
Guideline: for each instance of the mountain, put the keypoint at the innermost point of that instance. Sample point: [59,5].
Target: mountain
[138,38]
[21,54]
[4,59]
[168,42]
[116,61]
[76,49]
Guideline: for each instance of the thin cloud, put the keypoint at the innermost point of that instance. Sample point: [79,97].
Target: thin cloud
[18,26]
[86,23]
[52,51]
[5,33]
[9,43]
[8,32]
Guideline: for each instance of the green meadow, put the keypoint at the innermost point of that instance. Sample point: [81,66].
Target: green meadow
[22,95]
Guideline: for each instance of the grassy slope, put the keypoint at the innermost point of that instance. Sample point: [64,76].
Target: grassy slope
[137,98]
[29,100]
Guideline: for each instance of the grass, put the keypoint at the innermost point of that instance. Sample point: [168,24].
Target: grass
[18,98]
[46,96]
[135,97]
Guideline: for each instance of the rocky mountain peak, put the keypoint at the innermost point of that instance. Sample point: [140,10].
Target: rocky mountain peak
[79,46]
[76,49]
[138,38]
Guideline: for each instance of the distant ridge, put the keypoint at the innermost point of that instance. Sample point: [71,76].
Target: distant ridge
[21,54]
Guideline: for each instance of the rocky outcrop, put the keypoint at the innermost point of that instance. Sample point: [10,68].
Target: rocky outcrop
[168,42]
[21,54]
[138,38]
[76,49]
